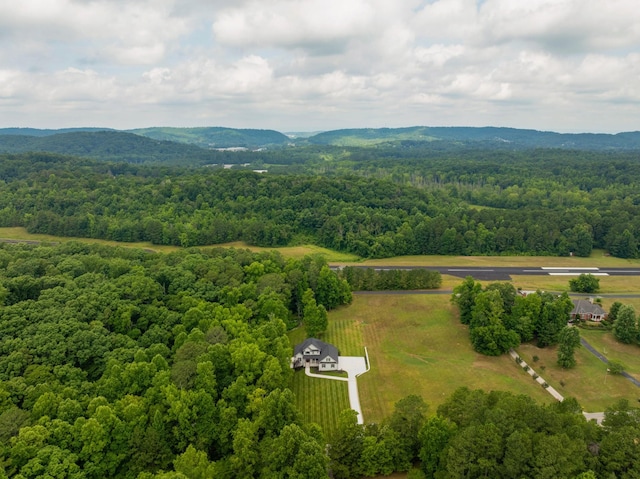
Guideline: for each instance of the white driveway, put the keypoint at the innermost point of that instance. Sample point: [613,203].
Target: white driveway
[354,366]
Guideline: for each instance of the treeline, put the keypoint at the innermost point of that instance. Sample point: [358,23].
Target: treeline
[499,319]
[476,434]
[371,279]
[122,363]
[367,216]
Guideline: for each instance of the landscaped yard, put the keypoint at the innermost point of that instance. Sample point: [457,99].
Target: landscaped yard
[417,346]
[627,354]
[320,400]
[588,382]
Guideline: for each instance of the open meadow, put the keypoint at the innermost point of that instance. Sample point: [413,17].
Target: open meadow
[417,346]
[598,258]
[21,234]
[588,382]
[605,343]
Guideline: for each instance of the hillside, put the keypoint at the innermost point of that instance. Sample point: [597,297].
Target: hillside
[46,132]
[115,146]
[488,136]
[216,137]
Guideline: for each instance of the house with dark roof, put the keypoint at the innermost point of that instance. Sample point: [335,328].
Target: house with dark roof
[316,354]
[587,311]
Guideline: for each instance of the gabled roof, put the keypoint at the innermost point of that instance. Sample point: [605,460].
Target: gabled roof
[582,306]
[326,349]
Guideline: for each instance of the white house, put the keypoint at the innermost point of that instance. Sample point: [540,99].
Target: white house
[316,353]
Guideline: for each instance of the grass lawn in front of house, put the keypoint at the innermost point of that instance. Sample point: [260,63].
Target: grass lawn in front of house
[588,382]
[606,343]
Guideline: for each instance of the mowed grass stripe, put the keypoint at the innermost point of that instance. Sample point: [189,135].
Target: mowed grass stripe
[417,345]
[320,400]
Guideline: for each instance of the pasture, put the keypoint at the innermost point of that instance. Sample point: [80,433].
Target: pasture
[604,342]
[416,346]
[588,382]
[598,258]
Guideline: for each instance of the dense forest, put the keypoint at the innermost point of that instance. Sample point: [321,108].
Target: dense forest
[115,361]
[121,363]
[545,203]
[500,319]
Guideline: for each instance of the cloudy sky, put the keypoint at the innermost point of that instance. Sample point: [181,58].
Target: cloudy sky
[308,65]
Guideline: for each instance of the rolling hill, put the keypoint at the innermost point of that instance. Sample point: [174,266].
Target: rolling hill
[216,137]
[115,146]
[487,136]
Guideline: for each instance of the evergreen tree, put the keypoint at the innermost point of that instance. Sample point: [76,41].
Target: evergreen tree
[569,340]
[625,328]
[315,316]
[464,295]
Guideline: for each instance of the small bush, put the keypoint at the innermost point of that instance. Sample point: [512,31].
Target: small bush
[615,367]
[518,360]
[543,367]
[526,368]
[562,383]
[535,376]
[545,385]
[535,359]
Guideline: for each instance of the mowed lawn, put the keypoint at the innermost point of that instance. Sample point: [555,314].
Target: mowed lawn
[320,400]
[605,343]
[608,284]
[597,259]
[416,345]
[588,382]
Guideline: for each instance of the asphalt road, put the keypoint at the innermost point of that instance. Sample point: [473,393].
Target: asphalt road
[504,273]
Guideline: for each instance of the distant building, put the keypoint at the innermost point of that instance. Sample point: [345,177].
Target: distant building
[315,353]
[587,311]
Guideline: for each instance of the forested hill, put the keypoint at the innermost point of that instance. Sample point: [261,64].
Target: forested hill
[489,136]
[417,136]
[115,146]
[217,137]
[46,132]
[471,208]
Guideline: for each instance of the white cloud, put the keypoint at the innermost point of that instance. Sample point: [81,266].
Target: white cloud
[315,64]
[564,26]
[294,23]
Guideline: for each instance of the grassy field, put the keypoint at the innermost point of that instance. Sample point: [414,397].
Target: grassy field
[597,259]
[588,382]
[608,284]
[417,346]
[627,354]
[21,234]
[320,400]
[17,233]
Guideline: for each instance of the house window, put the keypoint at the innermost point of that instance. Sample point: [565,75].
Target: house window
[333,366]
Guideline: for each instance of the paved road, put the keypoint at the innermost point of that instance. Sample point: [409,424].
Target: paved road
[601,357]
[354,366]
[503,273]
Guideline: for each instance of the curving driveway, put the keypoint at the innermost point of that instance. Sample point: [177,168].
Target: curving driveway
[354,366]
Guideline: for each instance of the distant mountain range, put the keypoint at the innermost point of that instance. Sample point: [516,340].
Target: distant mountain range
[487,135]
[209,145]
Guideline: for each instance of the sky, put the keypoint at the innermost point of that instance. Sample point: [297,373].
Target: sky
[312,65]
